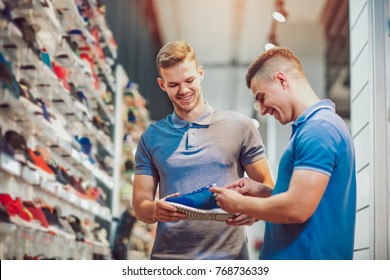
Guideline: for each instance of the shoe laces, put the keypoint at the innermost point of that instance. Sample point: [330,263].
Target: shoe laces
[200,190]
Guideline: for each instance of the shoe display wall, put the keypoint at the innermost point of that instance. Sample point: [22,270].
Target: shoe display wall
[57,119]
[135,118]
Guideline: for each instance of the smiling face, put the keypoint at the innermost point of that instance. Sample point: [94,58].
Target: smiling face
[277,81]
[273,97]
[182,83]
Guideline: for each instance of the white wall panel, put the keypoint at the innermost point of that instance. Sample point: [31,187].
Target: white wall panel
[360,111]
[362,147]
[355,7]
[362,255]
[359,35]
[362,230]
[363,188]
[359,73]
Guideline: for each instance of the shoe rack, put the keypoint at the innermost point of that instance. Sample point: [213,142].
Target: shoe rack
[58,92]
[133,115]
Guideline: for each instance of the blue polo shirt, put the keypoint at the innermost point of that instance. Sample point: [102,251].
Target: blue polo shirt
[320,141]
[186,156]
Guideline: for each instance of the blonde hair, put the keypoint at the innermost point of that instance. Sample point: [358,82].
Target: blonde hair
[174,53]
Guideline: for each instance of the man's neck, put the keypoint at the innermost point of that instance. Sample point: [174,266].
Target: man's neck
[306,98]
[194,113]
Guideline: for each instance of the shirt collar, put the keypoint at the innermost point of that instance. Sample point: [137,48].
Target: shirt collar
[203,120]
[309,112]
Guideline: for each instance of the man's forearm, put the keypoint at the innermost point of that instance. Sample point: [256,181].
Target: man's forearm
[265,191]
[146,212]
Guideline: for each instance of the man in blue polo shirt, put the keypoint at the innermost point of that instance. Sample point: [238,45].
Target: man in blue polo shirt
[311,213]
[195,146]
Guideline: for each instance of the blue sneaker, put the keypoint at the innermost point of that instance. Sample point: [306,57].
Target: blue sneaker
[199,205]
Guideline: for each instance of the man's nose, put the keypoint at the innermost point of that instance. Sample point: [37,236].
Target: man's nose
[183,89]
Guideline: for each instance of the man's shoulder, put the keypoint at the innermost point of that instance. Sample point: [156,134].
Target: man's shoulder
[160,123]
[230,114]
[156,127]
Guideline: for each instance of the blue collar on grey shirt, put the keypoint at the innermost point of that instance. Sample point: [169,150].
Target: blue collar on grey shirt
[203,121]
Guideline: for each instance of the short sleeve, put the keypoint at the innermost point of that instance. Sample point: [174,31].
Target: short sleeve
[317,147]
[252,148]
[143,158]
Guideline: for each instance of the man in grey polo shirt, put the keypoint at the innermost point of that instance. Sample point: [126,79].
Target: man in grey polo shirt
[195,146]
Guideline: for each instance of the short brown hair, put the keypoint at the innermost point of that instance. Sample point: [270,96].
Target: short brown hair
[272,61]
[174,53]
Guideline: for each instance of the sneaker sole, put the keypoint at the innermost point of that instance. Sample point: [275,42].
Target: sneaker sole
[200,214]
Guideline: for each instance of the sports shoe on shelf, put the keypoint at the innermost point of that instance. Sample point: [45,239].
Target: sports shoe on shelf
[199,205]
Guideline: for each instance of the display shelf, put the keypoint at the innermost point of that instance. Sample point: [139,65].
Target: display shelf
[70,201]
[99,21]
[12,41]
[40,17]
[6,229]
[10,165]
[54,28]
[22,241]
[72,20]
[71,158]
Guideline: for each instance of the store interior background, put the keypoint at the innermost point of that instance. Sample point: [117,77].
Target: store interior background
[227,36]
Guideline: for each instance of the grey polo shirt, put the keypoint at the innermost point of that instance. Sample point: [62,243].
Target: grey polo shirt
[185,156]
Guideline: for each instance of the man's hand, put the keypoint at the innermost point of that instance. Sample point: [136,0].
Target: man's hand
[241,220]
[246,186]
[228,199]
[167,213]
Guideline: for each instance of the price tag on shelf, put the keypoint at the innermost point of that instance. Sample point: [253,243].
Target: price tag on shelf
[44,238]
[26,233]
[85,204]
[73,198]
[10,165]
[30,176]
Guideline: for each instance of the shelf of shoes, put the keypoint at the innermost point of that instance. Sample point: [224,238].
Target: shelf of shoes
[34,236]
[98,19]
[50,135]
[89,46]
[44,185]
[28,29]
[141,241]
[135,118]
[54,35]
[49,89]
[28,243]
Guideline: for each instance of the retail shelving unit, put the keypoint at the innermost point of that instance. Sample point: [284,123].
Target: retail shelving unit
[133,116]
[57,91]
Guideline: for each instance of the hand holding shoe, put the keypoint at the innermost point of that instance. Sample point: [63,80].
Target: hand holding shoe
[228,199]
[241,220]
[246,186]
[167,213]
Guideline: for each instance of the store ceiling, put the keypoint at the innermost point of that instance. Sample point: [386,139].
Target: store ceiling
[225,32]
[228,35]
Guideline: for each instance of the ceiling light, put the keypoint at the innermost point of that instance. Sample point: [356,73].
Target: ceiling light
[279,17]
[280,13]
[268,46]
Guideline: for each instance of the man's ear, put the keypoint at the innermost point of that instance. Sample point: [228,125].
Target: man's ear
[201,72]
[161,84]
[281,78]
